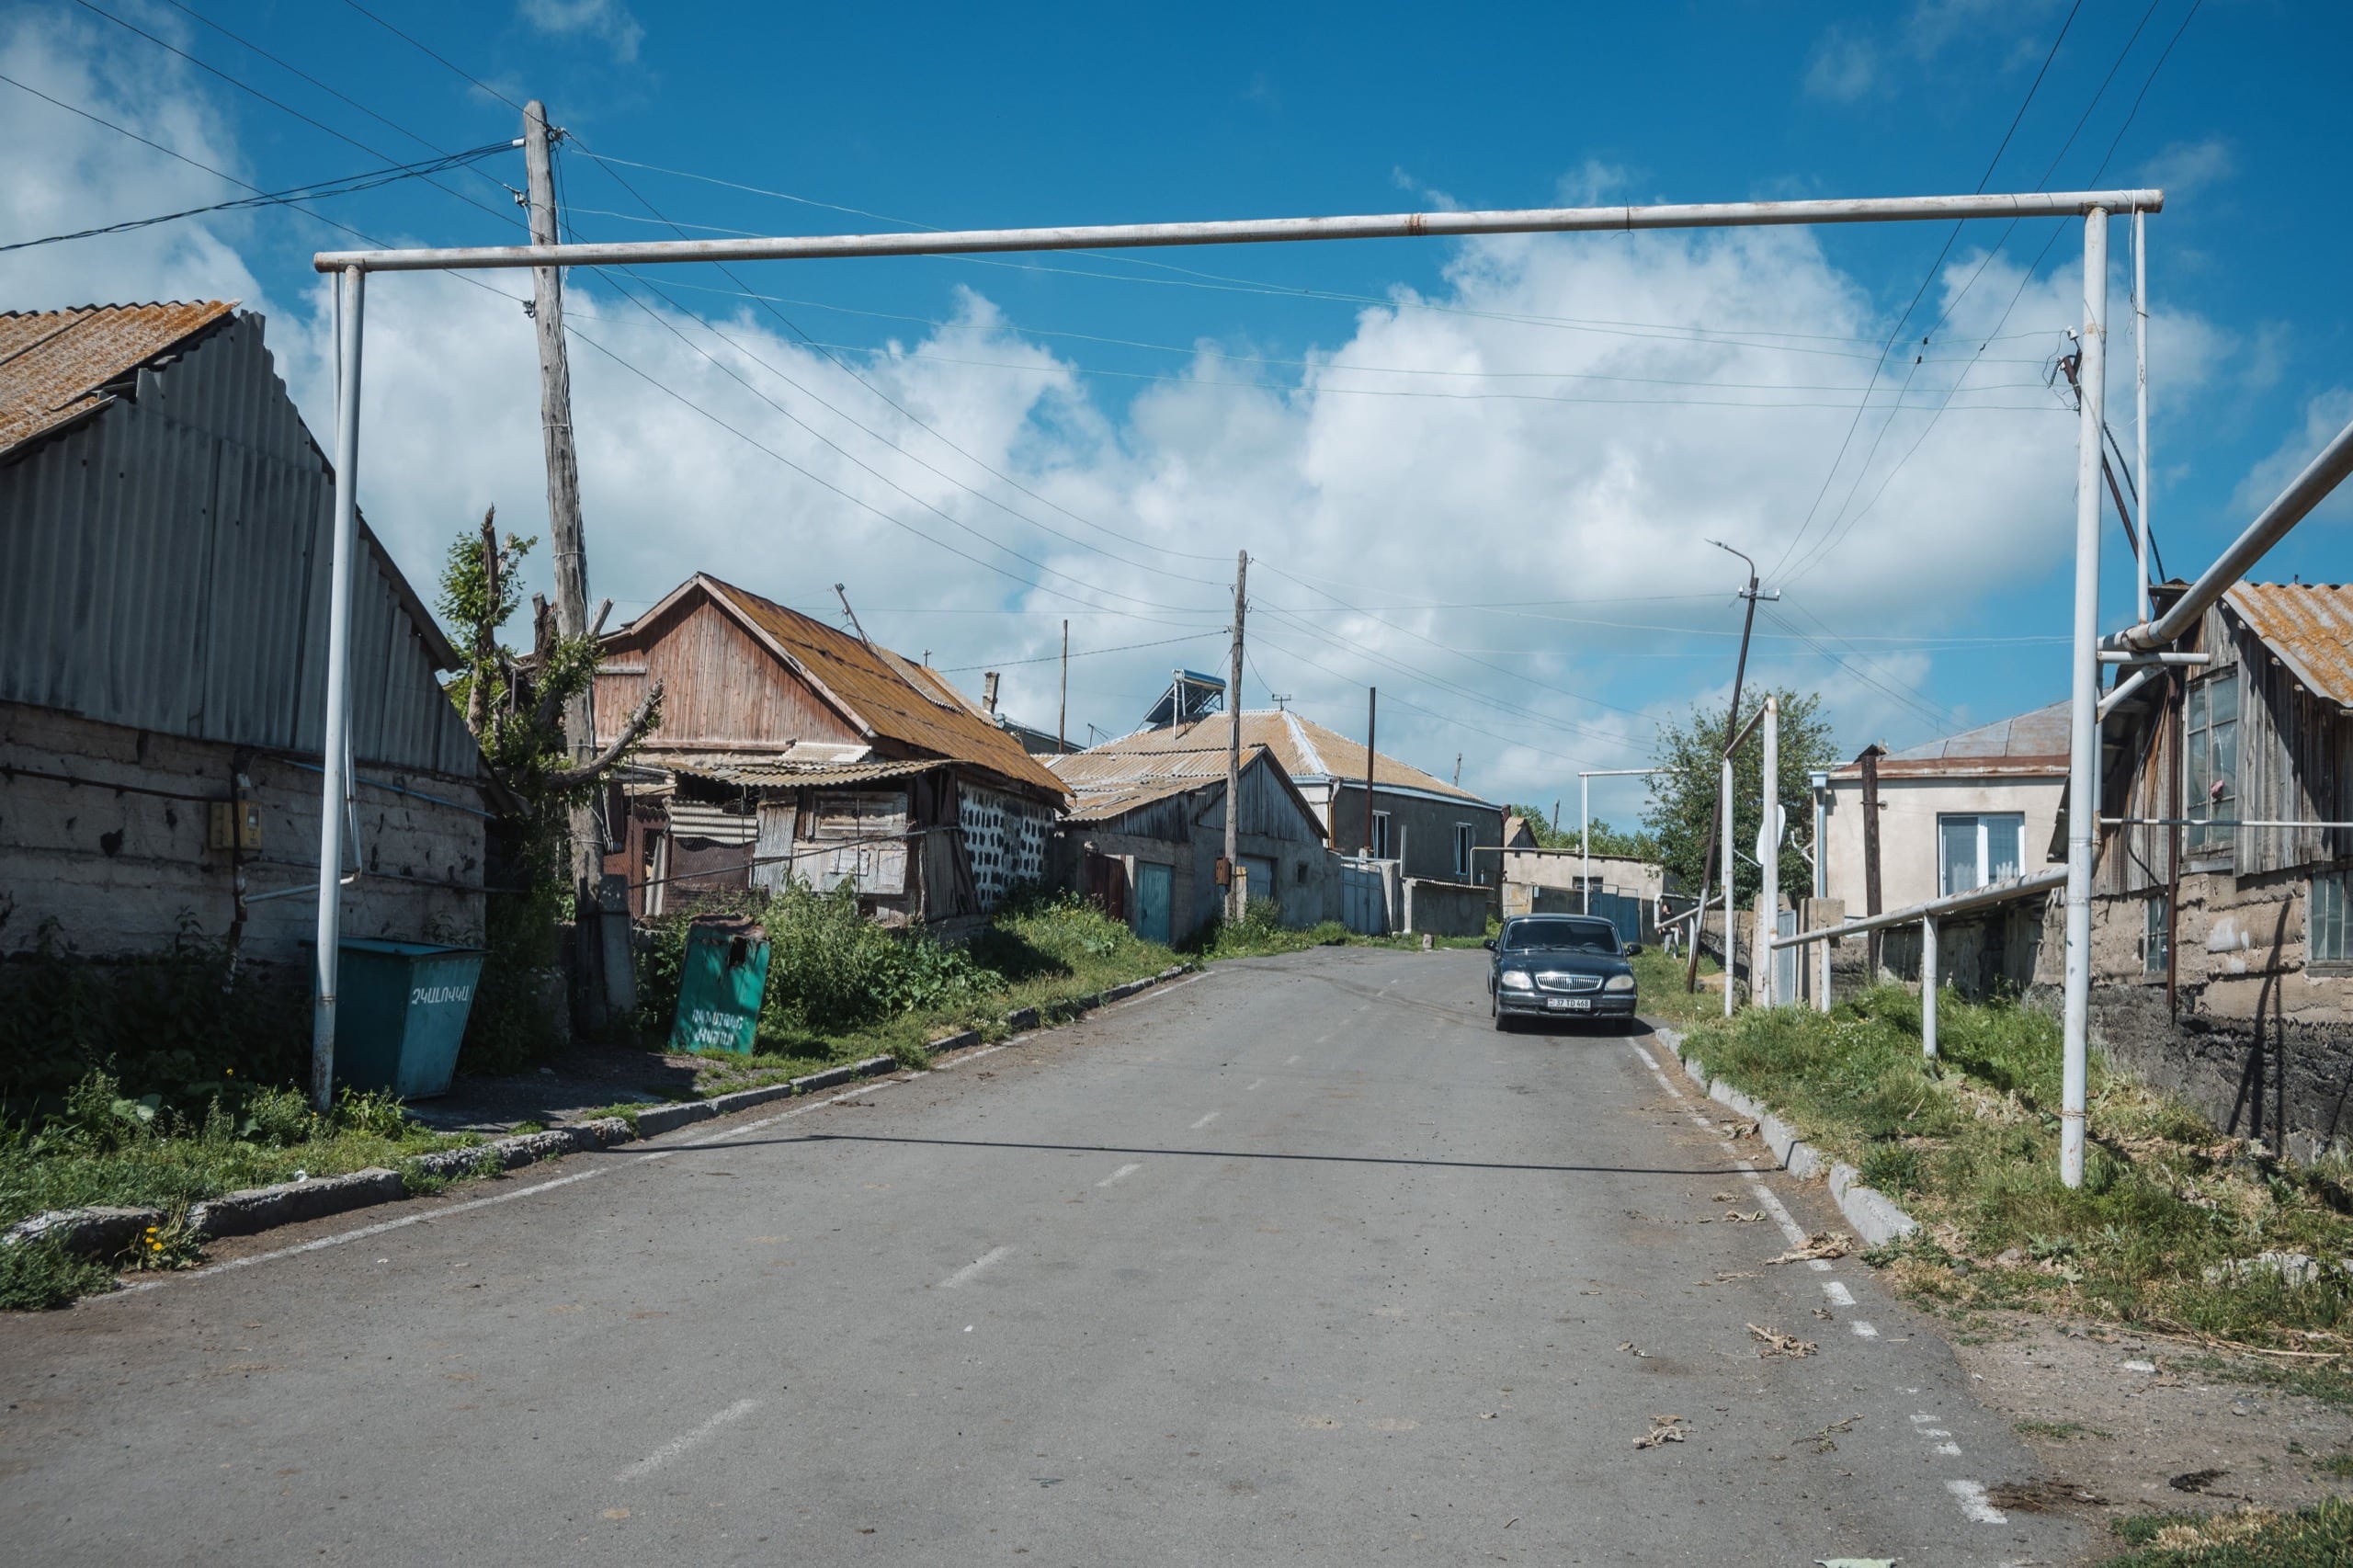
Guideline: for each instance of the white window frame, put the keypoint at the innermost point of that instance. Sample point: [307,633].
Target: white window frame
[1984,848]
[1379,848]
[2327,939]
[1464,835]
[2199,772]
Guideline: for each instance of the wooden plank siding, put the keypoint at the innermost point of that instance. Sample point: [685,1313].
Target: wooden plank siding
[721,687]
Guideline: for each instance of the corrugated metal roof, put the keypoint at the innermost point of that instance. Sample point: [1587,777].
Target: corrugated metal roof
[1307,750]
[776,775]
[164,566]
[1108,783]
[2030,743]
[2308,625]
[890,695]
[55,365]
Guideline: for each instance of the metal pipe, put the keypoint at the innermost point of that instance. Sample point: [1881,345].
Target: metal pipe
[1952,903]
[1252,231]
[2140,400]
[2083,712]
[2307,490]
[1584,843]
[2217,822]
[1768,839]
[351,286]
[1821,782]
[1732,931]
[2162,656]
[2124,688]
[1928,987]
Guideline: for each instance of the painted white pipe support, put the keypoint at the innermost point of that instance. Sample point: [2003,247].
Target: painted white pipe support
[2083,707]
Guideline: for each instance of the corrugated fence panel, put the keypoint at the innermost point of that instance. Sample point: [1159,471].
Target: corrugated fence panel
[163,566]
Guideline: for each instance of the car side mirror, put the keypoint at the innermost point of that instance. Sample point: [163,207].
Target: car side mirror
[1489,944]
[1633,950]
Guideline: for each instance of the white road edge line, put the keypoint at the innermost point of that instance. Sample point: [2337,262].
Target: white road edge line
[1975,1504]
[971,1271]
[678,1446]
[378,1229]
[1203,1122]
[1122,1173]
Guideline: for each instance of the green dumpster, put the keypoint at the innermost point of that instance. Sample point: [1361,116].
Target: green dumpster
[401,1012]
[720,985]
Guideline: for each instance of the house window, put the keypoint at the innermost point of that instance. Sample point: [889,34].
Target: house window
[2325,934]
[1974,850]
[2211,754]
[1380,850]
[1462,852]
[2156,916]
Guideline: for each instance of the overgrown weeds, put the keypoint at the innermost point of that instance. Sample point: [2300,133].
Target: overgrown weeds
[2242,1538]
[2176,1229]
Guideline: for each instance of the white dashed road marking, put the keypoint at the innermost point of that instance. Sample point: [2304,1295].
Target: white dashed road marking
[1839,1295]
[1975,1504]
[680,1445]
[965,1275]
[1204,1121]
[1122,1173]
[1262,1082]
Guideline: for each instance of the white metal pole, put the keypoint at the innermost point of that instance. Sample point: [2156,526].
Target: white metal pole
[1584,840]
[1928,987]
[1731,930]
[351,286]
[2140,399]
[1822,887]
[1768,903]
[2083,727]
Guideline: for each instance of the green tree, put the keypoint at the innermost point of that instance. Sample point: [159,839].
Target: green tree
[1684,794]
[1607,840]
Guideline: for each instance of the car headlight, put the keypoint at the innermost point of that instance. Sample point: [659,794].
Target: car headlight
[1517,979]
[1619,983]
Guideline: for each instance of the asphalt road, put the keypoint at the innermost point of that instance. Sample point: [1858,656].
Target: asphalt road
[1298,1261]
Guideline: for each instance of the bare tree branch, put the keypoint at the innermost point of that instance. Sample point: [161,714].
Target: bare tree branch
[631,733]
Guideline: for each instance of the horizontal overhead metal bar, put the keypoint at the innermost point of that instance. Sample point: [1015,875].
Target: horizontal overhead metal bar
[2307,490]
[2218,821]
[1952,903]
[1253,231]
[2162,656]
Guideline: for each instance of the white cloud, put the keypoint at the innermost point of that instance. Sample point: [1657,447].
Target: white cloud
[1544,433]
[2182,168]
[2324,415]
[608,21]
[1842,67]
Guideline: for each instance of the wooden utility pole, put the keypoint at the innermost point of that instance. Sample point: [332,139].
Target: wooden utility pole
[1732,728]
[1371,713]
[1869,762]
[1236,894]
[1061,716]
[570,557]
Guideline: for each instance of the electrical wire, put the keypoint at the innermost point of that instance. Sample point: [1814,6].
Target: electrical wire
[1075,653]
[346,185]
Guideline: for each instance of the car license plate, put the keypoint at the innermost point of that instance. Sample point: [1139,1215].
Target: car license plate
[1569,1003]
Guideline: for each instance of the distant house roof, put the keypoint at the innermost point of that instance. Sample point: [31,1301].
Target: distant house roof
[1107,783]
[1516,829]
[2032,744]
[57,366]
[885,695]
[1309,753]
[2308,625]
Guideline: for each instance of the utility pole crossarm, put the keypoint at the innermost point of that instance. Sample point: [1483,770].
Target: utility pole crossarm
[1257,230]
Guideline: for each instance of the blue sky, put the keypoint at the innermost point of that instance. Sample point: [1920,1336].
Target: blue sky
[1477,474]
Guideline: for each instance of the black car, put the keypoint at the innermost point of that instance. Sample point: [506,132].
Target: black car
[1559,966]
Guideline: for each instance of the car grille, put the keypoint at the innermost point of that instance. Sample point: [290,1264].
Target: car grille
[1554,980]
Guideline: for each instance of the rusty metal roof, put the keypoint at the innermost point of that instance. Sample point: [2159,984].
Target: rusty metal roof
[2308,625]
[767,774]
[1309,752]
[890,695]
[56,366]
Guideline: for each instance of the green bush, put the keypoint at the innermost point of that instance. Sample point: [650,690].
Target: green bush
[510,1026]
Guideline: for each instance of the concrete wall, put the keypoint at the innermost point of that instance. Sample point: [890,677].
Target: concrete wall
[1907,844]
[1446,909]
[121,861]
[1560,869]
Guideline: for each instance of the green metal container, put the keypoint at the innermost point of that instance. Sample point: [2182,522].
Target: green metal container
[726,972]
[401,1011]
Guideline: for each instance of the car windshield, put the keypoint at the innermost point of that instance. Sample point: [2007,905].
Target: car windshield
[1578,935]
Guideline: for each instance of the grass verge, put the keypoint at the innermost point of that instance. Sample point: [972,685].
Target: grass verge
[2164,1233]
[2246,1537]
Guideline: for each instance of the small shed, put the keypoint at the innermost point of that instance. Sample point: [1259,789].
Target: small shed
[1146,830]
[165,550]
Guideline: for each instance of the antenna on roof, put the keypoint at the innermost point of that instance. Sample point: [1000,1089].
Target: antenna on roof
[1278,698]
[853,617]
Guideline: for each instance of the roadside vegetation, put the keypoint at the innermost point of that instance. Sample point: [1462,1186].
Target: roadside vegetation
[2317,1536]
[2176,1231]
[1658,977]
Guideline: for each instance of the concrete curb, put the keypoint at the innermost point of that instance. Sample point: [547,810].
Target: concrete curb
[105,1232]
[1875,1217]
